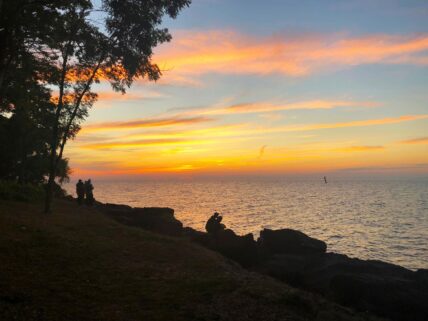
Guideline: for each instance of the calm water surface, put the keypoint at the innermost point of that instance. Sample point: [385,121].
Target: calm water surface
[366,219]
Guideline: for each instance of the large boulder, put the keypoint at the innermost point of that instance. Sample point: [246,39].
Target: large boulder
[288,241]
[157,219]
[385,289]
[242,249]
[197,236]
[394,298]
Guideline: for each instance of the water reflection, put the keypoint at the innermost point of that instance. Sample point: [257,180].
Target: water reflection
[372,220]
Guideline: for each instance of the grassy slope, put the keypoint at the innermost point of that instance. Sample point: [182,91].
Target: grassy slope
[77,264]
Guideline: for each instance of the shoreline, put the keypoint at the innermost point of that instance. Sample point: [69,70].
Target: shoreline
[79,264]
[78,251]
[294,258]
[368,224]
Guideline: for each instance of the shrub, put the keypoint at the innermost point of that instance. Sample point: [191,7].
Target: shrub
[10,190]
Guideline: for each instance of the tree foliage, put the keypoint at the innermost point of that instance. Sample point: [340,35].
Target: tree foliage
[51,55]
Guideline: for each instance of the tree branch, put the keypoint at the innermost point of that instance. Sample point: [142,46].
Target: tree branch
[76,108]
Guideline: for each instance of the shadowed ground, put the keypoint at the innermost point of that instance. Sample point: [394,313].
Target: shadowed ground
[78,264]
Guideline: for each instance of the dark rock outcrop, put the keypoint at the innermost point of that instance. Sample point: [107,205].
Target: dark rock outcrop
[155,219]
[242,249]
[385,289]
[290,241]
[381,288]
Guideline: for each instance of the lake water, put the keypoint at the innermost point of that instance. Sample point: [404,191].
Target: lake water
[384,220]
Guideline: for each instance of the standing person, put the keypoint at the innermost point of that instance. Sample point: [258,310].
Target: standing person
[89,192]
[80,191]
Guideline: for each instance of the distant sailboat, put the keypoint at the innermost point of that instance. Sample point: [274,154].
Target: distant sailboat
[325,179]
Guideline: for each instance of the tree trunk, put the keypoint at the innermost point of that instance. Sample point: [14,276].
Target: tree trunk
[23,155]
[54,142]
[76,108]
[52,169]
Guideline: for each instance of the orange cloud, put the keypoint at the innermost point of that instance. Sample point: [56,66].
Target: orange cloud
[145,123]
[360,149]
[139,143]
[264,107]
[220,51]
[305,105]
[216,133]
[212,132]
[357,123]
[111,95]
[420,140]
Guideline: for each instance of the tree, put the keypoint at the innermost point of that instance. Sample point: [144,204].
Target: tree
[24,26]
[84,55]
[25,97]
[51,54]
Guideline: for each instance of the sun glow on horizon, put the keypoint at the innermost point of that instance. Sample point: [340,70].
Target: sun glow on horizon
[237,101]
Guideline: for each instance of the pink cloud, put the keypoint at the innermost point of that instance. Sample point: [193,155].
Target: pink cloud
[228,52]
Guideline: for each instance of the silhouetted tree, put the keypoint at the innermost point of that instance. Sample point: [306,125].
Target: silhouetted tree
[51,54]
[85,55]
[25,99]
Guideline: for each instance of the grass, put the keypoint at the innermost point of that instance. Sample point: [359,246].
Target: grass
[11,190]
[77,264]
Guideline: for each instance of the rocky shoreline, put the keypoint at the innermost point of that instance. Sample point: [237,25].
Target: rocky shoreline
[384,289]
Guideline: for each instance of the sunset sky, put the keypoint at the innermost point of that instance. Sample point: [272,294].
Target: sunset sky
[272,87]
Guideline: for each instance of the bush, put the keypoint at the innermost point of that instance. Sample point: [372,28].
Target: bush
[10,190]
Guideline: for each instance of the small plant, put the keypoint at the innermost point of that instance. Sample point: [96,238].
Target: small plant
[10,190]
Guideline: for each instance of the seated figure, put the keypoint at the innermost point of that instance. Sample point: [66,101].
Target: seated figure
[214,224]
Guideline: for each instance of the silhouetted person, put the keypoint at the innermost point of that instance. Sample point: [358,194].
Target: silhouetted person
[80,191]
[89,192]
[214,225]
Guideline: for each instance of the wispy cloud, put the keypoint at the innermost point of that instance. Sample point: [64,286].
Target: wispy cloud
[357,123]
[423,166]
[139,143]
[419,140]
[352,149]
[162,131]
[304,105]
[265,107]
[130,96]
[229,52]
[146,123]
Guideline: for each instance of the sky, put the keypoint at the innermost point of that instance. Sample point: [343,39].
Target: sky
[273,87]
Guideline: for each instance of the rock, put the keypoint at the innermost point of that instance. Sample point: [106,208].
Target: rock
[422,275]
[290,242]
[116,207]
[395,298]
[385,289]
[158,219]
[242,249]
[155,219]
[69,198]
[287,268]
[196,236]
[120,213]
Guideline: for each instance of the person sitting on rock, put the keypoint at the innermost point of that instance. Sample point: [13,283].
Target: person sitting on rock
[80,191]
[214,224]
